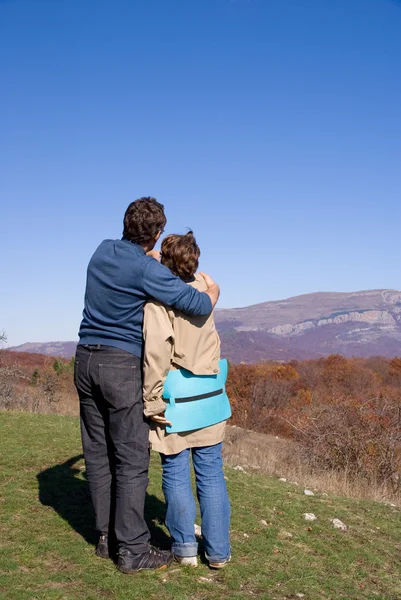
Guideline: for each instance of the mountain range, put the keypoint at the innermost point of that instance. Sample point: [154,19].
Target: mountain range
[365,323]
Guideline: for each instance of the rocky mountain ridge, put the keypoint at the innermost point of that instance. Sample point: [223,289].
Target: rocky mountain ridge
[362,323]
[319,308]
[354,324]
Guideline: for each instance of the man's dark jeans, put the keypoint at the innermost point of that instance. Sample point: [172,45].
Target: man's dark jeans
[115,441]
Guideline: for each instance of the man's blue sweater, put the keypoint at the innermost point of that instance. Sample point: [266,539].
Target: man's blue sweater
[120,279]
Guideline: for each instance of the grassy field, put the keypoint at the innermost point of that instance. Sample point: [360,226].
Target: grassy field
[46,533]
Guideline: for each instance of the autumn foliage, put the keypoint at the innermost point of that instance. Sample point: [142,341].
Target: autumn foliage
[345,413]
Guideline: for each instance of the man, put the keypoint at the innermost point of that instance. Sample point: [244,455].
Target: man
[108,377]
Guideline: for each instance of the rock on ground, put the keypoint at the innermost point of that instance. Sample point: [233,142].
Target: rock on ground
[309,517]
[337,524]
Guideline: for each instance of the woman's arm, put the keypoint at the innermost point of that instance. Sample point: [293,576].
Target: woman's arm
[158,334]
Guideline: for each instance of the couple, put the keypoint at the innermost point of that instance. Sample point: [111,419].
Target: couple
[120,385]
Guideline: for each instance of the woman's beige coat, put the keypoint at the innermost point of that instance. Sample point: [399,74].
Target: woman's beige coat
[172,341]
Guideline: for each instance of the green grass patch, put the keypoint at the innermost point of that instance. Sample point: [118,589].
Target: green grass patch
[46,533]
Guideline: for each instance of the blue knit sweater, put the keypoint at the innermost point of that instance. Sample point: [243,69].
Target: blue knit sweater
[120,279]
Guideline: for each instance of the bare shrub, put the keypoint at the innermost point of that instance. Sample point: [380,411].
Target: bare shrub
[359,438]
[10,378]
[48,387]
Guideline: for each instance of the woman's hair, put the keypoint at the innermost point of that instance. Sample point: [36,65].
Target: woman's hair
[180,253]
[143,220]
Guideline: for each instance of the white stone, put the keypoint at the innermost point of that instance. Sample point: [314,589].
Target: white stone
[337,524]
[198,530]
[238,468]
[308,493]
[246,535]
[283,479]
[309,517]
[263,522]
[300,595]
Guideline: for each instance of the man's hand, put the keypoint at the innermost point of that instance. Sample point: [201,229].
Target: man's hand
[156,254]
[213,290]
[161,419]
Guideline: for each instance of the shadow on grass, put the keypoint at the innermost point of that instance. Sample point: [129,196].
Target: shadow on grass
[63,488]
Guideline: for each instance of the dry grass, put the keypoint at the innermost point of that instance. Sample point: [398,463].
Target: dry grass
[282,457]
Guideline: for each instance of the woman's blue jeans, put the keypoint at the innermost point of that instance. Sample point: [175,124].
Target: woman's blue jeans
[213,501]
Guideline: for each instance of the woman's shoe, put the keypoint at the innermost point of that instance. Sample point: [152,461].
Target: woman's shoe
[219,564]
[187,561]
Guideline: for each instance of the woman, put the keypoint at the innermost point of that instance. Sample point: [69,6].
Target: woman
[176,341]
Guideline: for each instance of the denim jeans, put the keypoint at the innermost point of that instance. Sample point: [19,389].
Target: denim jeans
[213,501]
[115,441]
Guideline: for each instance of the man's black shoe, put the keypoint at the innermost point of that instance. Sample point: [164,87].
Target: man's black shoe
[102,547]
[152,559]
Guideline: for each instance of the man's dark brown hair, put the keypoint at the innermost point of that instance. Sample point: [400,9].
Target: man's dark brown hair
[180,253]
[143,220]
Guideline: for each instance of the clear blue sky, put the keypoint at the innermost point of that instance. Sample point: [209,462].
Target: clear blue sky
[271,127]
